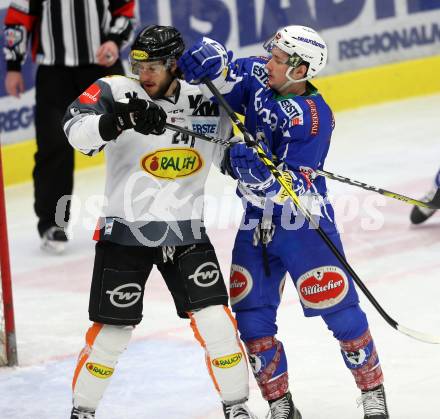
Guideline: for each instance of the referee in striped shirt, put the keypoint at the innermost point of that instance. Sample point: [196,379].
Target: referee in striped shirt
[74,42]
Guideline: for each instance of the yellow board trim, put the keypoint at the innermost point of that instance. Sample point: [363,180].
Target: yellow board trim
[18,161]
[375,85]
[343,91]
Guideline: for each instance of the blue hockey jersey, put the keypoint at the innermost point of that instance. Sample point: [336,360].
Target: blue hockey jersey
[296,129]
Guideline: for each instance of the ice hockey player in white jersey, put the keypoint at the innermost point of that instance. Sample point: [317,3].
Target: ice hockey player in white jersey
[153,216]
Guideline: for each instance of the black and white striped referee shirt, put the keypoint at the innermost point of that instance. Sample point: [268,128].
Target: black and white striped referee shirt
[64,32]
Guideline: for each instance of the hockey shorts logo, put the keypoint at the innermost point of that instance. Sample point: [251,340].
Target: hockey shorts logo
[240,284]
[172,163]
[125,295]
[227,361]
[91,95]
[322,287]
[206,274]
[99,371]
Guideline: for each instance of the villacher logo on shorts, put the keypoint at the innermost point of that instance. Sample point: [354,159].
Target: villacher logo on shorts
[322,287]
[240,283]
[206,274]
[125,295]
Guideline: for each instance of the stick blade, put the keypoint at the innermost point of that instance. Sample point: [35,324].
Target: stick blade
[423,337]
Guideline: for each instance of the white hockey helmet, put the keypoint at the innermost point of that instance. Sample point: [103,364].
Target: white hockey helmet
[302,44]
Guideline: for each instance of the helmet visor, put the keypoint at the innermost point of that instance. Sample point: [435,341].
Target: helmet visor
[292,60]
[269,43]
[140,64]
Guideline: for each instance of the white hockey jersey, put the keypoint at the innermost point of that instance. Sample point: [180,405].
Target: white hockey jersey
[154,184]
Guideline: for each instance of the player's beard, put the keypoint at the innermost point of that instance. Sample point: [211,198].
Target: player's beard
[163,87]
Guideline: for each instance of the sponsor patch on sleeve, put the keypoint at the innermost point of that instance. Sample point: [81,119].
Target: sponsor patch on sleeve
[91,95]
[293,111]
[314,116]
[259,73]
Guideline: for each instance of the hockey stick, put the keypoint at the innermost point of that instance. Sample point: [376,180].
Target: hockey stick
[433,204]
[190,133]
[424,337]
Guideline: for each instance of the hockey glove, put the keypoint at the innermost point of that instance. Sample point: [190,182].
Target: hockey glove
[247,167]
[144,116]
[206,58]
[151,119]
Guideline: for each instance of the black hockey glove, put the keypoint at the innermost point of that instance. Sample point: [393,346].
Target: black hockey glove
[150,119]
[144,116]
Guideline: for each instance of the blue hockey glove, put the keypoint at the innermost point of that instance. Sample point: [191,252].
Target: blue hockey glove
[206,58]
[248,168]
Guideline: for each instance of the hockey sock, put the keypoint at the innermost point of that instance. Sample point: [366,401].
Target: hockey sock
[269,365]
[361,358]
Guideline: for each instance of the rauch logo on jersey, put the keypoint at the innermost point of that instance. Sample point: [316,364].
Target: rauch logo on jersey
[172,163]
[91,95]
[322,287]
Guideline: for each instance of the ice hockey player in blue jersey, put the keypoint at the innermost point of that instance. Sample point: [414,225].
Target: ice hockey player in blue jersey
[291,120]
[418,214]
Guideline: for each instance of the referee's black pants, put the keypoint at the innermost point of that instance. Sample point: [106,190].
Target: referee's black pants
[56,88]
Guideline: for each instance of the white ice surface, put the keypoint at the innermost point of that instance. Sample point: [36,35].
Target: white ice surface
[395,146]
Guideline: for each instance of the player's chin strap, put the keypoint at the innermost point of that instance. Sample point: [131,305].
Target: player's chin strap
[433,204]
[424,337]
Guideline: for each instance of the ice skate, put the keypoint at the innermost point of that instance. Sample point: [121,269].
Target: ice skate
[419,214]
[54,240]
[238,411]
[283,408]
[82,414]
[374,403]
